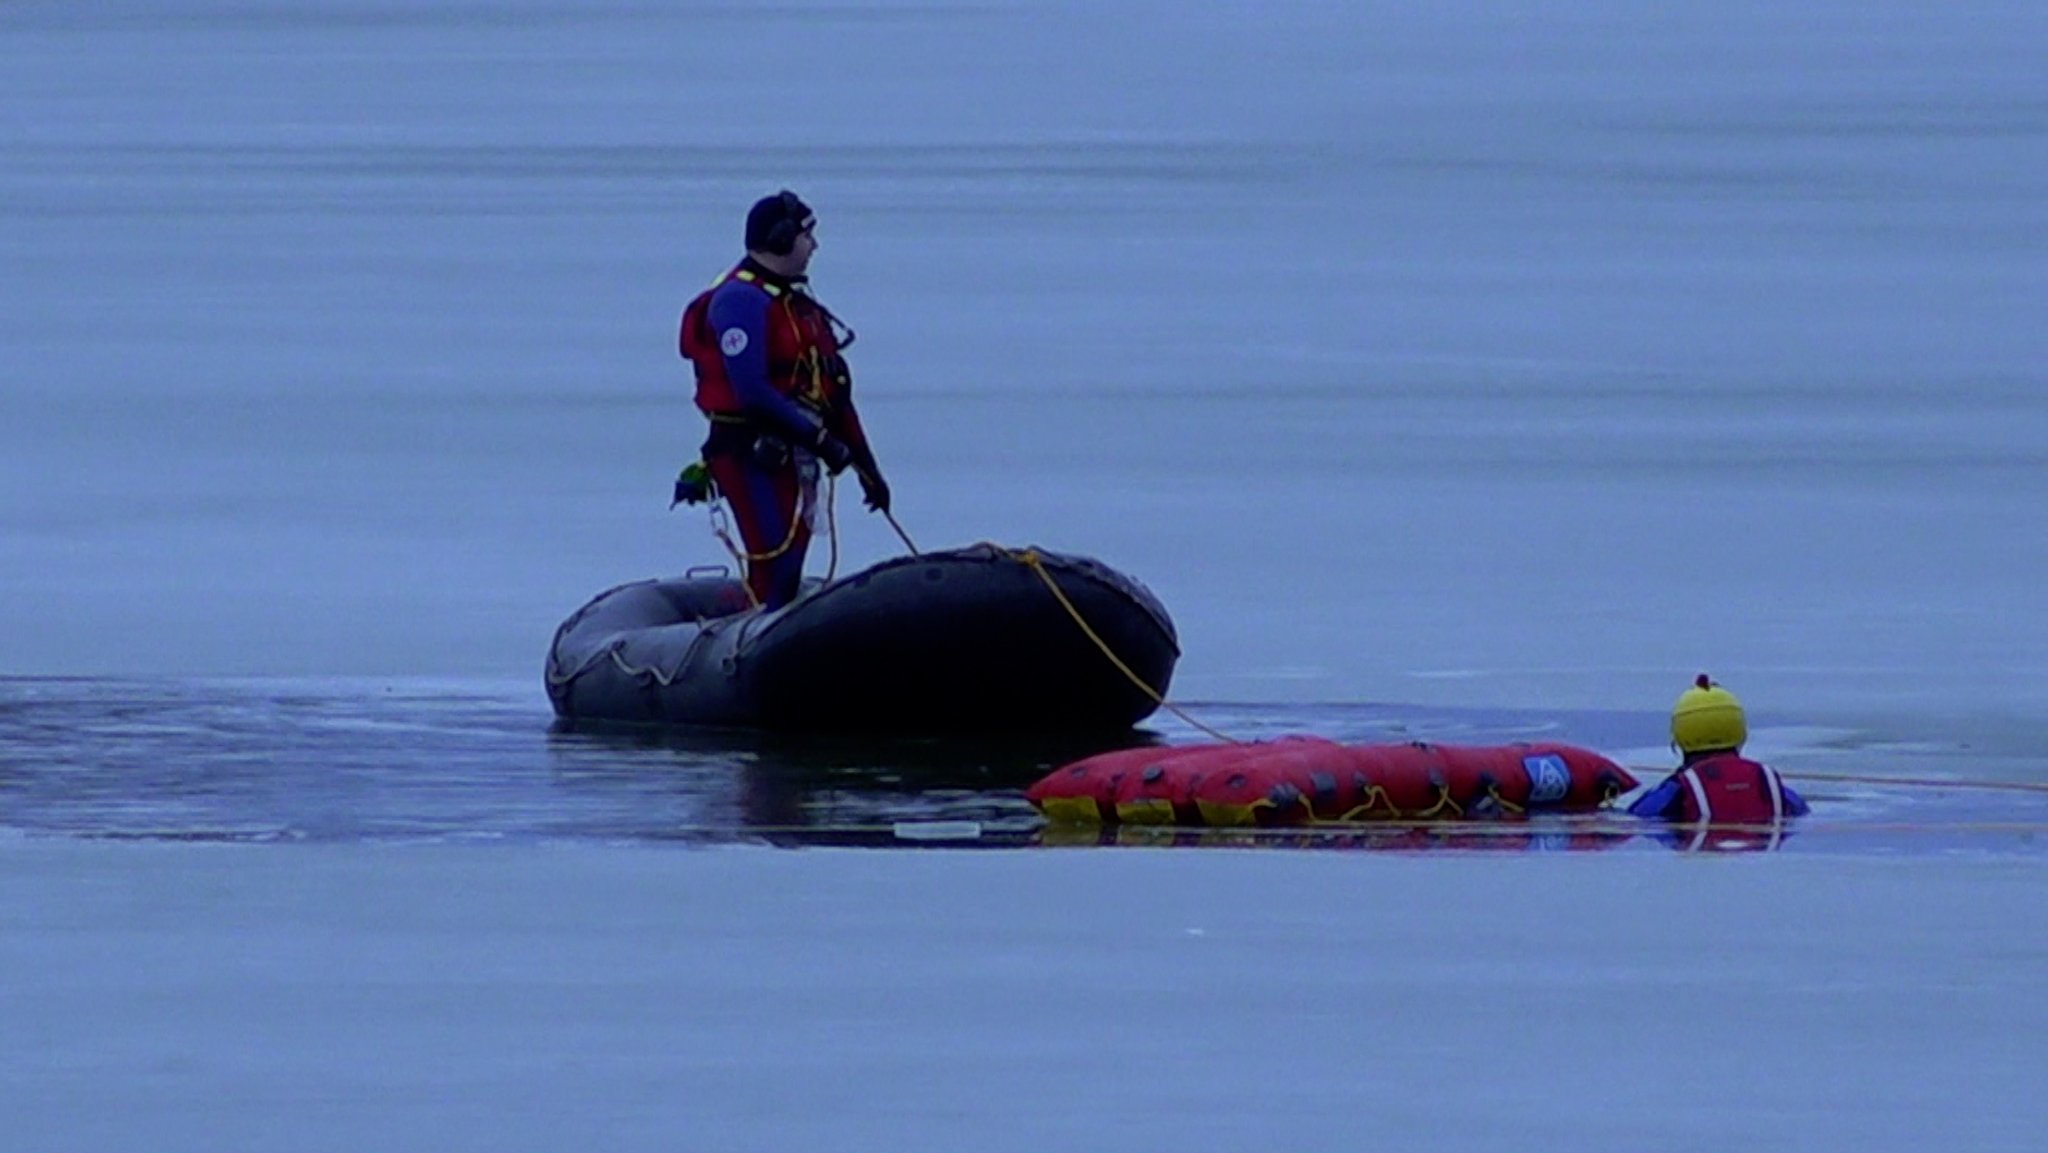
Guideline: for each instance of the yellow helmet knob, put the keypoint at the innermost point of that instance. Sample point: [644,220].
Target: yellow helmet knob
[1707,717]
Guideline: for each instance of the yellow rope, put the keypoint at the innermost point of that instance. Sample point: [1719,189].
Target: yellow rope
[744,560]
[1373,795]
[1030,559]
[1443,801]
[1652,772]
[796,521]
[739,561]
[1920,782]
[1493,790]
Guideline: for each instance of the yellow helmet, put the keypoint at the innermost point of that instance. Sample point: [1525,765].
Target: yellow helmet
[1707,717]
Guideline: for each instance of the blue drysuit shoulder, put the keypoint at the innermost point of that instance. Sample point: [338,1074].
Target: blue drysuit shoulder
[738,315]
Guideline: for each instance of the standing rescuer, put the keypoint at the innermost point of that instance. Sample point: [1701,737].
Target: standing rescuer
[1715,784]
[773,382]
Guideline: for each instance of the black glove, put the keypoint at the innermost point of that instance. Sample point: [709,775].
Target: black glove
[833,452]
[875,489]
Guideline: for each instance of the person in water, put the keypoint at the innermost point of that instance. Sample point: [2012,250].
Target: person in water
[773,382]
[1715,784]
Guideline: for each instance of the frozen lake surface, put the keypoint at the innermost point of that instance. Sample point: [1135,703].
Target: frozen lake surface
[420,997]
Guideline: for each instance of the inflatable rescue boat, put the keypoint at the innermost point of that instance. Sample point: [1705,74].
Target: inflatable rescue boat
[1307,780]
[979,639]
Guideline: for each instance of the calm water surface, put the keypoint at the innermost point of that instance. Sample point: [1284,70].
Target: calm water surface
[1448,372]
[340,761]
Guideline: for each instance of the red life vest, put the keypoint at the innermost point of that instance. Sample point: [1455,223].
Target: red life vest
[804,363]
[1729,789]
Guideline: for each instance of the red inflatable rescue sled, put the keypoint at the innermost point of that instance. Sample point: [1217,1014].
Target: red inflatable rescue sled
[1307,780]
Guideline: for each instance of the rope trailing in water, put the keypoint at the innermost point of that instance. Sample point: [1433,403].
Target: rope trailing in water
[1030,559]
[2038,788]
[1920,782]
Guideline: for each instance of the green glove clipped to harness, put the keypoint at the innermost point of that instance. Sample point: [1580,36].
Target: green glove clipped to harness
[693,485]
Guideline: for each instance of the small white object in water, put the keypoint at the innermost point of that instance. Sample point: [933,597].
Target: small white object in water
[937,830]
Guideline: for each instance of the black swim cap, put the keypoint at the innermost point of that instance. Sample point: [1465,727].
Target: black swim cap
[774,223]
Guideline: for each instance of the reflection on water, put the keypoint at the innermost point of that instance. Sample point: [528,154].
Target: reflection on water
[822,788]
[409,760]
[1561,834]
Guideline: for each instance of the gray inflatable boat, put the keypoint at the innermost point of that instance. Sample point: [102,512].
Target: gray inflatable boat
[971,640]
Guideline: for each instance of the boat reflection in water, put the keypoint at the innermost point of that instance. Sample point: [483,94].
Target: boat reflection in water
[810,789]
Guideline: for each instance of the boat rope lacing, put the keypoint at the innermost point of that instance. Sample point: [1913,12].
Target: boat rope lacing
[1443,802]
[664,679]
[1374,796]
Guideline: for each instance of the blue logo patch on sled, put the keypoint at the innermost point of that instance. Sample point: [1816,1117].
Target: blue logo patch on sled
[1549,779]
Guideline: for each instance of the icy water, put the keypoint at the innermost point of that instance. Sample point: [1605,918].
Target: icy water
[1457,371]
[406,761]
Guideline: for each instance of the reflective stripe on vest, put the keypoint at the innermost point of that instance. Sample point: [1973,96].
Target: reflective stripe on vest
[747,274]
[1729,779]
[1699,795]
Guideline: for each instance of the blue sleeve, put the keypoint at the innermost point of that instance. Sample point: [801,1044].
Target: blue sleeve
[1795,805]
[1654,803]
[739,323]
